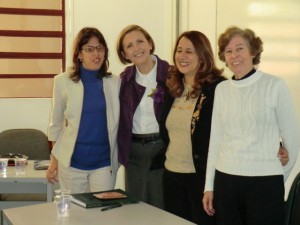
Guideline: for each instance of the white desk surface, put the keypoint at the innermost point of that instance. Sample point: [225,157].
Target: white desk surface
[30,173]
[133,214]
[32,182]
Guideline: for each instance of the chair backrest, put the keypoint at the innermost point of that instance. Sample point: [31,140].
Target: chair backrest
[292,205]
[31,142]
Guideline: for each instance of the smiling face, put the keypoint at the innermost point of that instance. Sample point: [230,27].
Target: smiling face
[136,48]
[92,60]
[238,57]
[186,58]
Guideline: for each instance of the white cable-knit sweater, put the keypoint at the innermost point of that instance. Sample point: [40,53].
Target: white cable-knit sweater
[250,116]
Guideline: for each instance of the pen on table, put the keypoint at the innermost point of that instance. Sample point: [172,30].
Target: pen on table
[111,207]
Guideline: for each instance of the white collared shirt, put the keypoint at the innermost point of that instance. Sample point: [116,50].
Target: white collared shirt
[144,120]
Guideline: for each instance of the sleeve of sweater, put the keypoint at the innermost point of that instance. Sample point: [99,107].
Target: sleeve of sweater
[288,125]
[215,141]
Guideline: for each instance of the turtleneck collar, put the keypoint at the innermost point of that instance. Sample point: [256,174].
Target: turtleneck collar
[247,75]
[88,75]
[252,78]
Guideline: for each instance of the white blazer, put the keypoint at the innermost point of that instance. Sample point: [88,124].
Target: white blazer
[66,112]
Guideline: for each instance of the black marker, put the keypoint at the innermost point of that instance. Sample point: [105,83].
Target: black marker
[112,207]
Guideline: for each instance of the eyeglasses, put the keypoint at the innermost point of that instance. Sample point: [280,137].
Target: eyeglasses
[91,49]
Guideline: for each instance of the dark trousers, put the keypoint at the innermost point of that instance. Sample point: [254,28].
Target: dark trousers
[140,181]
[183,193]
[241,200]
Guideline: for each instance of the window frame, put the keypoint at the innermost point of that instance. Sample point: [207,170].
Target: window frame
[40,34]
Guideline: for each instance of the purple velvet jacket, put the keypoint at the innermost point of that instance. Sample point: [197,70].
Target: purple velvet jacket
[131,94]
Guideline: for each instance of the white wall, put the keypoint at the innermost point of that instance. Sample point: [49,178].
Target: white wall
[110,17]
[25,113]
[199,15]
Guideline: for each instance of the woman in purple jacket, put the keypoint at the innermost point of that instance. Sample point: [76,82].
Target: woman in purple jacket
[141,99]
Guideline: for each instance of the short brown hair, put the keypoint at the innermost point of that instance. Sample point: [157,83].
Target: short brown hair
[123,33]
[255,44]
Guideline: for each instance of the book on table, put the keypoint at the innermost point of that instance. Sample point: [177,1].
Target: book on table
[103,198]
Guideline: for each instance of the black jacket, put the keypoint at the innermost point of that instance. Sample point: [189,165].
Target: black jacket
[201,133]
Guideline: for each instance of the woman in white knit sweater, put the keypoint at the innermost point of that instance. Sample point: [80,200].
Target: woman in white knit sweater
[253,111]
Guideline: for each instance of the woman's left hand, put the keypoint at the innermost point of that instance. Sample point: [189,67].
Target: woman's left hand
[208,203]
[283,155]
[52,171]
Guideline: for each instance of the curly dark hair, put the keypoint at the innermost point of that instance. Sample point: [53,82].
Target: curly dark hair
[254,43]
[207,72]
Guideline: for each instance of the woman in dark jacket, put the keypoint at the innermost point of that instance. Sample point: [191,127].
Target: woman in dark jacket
[185,125]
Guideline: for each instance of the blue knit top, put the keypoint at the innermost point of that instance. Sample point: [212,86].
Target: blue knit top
[92,150]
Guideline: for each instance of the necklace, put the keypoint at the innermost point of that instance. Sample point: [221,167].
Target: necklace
[188,95]
[188,92]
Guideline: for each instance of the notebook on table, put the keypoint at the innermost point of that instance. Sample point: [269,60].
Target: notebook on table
[103,198]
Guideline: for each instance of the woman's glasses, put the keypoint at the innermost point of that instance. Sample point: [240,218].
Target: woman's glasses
[91,49]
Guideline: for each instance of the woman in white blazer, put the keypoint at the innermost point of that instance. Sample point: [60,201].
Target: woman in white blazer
[84,119]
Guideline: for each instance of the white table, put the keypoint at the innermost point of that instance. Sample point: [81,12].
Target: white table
[133,214]
[32,182]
